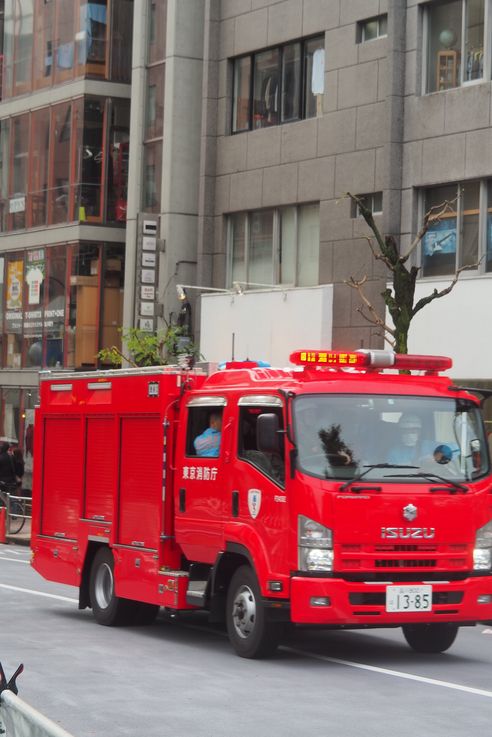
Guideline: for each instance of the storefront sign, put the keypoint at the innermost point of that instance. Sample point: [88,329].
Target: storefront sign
[35,275]
[17,204]
[14,285]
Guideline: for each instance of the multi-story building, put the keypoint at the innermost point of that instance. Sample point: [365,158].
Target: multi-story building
[249,122]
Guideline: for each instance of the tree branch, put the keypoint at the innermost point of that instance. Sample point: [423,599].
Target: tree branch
[437,295]
[375,318]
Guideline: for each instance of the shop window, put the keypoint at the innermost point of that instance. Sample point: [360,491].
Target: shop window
[119,153]
[60,190]
[14,275]
[456,43]
[372,28]
[278,246]
[23,41]
[10,416]
[64,46]
[92,161]
[267,88]
[112,297]
[270,464]
[453,239]
[4,172]
[43,43]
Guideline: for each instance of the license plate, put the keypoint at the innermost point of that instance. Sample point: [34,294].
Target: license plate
[409,598]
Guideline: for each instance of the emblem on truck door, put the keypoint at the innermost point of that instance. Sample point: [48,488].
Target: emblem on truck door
[254,502]
[410,512]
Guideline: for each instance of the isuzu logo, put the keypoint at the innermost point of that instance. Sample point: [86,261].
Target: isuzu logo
[406,533]
[410,512]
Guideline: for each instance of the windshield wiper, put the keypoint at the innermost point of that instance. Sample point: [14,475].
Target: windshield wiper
[431,476]
[361,475]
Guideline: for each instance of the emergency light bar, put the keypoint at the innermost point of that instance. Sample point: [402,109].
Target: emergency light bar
[370,359]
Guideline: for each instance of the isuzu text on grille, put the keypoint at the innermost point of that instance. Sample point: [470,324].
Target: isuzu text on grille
[403,533]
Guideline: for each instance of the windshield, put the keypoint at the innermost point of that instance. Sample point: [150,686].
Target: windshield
[342,436]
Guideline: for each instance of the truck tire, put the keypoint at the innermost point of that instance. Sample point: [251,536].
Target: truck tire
[108,609]
[250,633]
[430,638]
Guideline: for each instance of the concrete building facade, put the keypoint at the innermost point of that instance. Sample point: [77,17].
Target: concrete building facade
[211,143]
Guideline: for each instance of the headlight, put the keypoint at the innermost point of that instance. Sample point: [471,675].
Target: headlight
[315,546]
[482,555]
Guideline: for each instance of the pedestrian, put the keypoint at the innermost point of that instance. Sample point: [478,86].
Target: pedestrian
[8,469]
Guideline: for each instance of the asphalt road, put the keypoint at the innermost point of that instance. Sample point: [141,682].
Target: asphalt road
[182,679]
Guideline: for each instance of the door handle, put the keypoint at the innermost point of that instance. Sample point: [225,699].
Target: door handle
[182,500]
[235,504]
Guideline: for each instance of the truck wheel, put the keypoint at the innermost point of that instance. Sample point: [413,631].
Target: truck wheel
[108,609]
[430,638]
[250,634]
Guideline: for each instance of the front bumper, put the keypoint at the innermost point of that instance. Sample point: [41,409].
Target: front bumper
[363,604]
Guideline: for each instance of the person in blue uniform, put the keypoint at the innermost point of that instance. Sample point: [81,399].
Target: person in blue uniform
[207,444]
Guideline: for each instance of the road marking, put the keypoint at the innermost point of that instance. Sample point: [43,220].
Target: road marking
[38,593]
[14,560]
[394,673]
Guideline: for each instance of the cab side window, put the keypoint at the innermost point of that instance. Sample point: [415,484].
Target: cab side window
[204,431]
[270,464]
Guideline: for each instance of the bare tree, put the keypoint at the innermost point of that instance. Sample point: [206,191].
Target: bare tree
[400,298]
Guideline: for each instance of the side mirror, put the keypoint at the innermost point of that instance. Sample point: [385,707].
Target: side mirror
[267,428]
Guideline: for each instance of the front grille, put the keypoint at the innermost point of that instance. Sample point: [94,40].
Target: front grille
[401,556]
[405,563]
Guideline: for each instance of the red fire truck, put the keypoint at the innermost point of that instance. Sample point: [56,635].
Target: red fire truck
[344,494]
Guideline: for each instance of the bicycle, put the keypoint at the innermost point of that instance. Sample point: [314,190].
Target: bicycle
[18,507]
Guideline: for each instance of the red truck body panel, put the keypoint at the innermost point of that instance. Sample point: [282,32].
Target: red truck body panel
[114,465]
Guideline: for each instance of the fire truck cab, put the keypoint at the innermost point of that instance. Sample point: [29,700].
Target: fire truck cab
[338,493]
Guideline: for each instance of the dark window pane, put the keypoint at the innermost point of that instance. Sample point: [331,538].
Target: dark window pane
[18,174]
[43,43]
[119,143]
[64,50]
[238,242]
[54,305]
[241,95]
[121,41]
[489,226]
[157,30]
[266,89]
[92,160]
[40,136]
[474,35]
[155,102]
[291,82]
[152,176]
[61,144]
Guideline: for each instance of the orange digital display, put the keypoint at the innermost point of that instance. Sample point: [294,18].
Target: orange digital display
[327,358]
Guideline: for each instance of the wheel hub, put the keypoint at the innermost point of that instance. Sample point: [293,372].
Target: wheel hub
[244,612]
[103,588]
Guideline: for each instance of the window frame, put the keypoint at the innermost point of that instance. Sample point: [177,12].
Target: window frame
[299,104]
[428,67]
[362,24]
[459,213]
[276,244]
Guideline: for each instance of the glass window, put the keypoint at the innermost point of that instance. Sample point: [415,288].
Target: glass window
[288,84]
[260,257]
[92,160]
[84,296]
[61,135]
[157,30]
[308,250]
[314,81]
[373,202]
[40,146]
[92,38]
[270,464]
[18,174]
[274,246]
[291,82]
[266,89]
[242,83]
[152,176]
[54,306]
[64,46]
[112,296]
[488,264]
[456,43]
[238,240]
[11,414]
[203,435]
[4,172]
[339,436]
[288,246]
[469,198]
[43,44]
[23,29]
[373,28]
[13,310]
[121,40]
[155,102]
[440,241]
[119,152]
